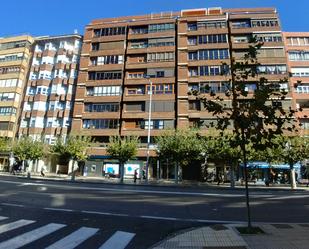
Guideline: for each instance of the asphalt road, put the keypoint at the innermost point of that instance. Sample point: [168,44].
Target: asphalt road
[81,215]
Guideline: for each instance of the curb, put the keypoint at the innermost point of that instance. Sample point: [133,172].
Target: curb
[160,185]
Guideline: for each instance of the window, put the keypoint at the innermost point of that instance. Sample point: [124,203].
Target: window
[7,111]
[161,42]
[195,105]
[211,24]
[104,75]
[205,39]
[210,86]
[16,44]
[102,107]
[7,70]
[303,88]
[153,28]
[139,44]
[7,96]
[213,70]
[300,71]
[272,69]
[269,37]
[241,24]
[104,91]
[136,75]
[159,57]
[139,30]
[109,31]
[100,123]
[299,56]
[193,71]
[192,40]
[161,89]
[135,106]
[241,39]
[159,74]
[12,57]
[137,90]
[108,59]
[209,54]
[10,83]
[95,46]
[192,26]
[265,23]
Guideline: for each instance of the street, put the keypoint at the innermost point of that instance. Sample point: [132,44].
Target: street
[83,215]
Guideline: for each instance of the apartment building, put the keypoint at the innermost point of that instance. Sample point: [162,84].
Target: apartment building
[176,53]
[49,93]
[297,51]
[15,55]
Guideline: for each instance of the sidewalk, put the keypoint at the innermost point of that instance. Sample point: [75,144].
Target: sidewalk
[151,182]
[277,236]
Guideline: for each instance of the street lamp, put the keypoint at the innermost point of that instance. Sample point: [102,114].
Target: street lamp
[149,126]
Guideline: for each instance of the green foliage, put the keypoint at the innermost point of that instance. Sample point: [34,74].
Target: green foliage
[27,148]
[222,147]
[122,149]
[254,117]
[180,146]
[291,150]
[74,147]
[4,144]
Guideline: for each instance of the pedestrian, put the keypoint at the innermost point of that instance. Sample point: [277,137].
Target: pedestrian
[42,171]
[135,175]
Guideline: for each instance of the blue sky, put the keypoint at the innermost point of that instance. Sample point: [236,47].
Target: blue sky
[51,17]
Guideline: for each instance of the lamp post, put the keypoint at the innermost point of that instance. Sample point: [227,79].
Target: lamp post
[149,126]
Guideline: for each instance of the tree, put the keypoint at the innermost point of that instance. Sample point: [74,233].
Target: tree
[291,150]
[122,149]
[73,148]
[180,147]
[4,144]
[223,147]
[252,116]
[29,149]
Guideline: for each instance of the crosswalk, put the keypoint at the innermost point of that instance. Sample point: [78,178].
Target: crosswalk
[119,240]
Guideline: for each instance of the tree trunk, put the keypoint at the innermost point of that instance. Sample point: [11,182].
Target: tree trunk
[176,172]
[121,172]
[243,148]
[292,177]
[73,171]
[232,178]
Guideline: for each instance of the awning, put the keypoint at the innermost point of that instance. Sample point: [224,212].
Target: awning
[257,165]
[285,166]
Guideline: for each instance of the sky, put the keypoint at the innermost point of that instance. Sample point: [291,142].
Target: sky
[56,17]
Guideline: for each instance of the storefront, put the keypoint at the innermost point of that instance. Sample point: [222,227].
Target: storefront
[104,166]
[274,173]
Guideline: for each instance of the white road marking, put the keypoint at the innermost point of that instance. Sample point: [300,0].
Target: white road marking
[118,241]
[74,239]
[12,204]
[159,218]
[31,236]
[59,209]
[14,225]
[103,213]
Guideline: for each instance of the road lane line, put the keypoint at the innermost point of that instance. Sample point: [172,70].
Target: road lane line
[103,213]
[59,209]
[74,239]
[118,241]
[14,225]
[159,218]
[12,204]
[31,236]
